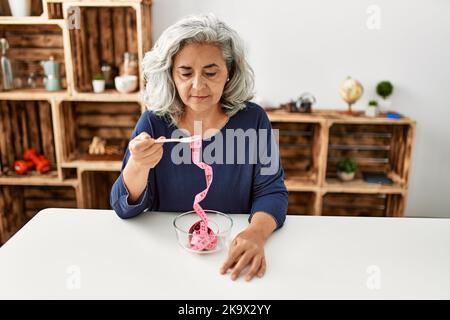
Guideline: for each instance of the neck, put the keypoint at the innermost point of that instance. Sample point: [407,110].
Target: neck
[207,117]
[204,116]
[204,123]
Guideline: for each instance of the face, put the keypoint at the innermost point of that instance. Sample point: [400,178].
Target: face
[200,73]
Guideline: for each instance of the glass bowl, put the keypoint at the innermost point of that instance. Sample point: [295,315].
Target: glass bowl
[220,223]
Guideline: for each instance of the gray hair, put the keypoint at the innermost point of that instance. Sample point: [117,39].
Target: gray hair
[160,94]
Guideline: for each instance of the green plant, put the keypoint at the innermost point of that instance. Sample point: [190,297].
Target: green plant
[384,89]
[347,165]
[99,76]
[373,103]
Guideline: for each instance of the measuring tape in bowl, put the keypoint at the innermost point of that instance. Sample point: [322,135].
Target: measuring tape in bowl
[201,237]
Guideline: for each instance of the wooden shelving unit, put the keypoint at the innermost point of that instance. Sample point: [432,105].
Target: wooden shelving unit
[311,144]
[19,203]
[61,124]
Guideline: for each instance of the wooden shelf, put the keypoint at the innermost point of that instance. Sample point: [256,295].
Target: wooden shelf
[283,116]
[32,94]
[31,20]
[299,184]
[100,3]
[333,116]
[85,165]
[35,179]
[107,95]
[360,186]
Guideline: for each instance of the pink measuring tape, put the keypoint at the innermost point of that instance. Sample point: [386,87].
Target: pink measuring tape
[202,237]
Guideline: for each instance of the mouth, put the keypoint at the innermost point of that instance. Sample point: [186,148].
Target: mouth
[199,97]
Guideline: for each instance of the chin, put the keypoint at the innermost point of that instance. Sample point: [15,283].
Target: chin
[201,105]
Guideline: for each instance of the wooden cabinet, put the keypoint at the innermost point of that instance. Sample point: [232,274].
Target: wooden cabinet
[80,35]
[311,144]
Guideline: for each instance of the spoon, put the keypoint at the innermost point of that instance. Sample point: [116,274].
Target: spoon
[181,140]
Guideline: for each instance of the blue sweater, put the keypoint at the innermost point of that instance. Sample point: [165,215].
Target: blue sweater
[239,185]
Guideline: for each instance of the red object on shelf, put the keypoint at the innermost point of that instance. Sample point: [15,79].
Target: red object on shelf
[22,166]
[41,162]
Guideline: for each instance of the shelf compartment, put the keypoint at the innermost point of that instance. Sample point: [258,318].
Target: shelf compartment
[25,124]
[55,10]
[360,204]
[375,147]
[299,145]
[105,34]
[69,173]
[31,43]
[301,203]
[81,121]
[96,188]
[18,204]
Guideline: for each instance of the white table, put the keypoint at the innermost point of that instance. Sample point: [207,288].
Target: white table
[75,253]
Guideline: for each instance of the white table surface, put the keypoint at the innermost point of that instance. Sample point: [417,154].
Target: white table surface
[309,258]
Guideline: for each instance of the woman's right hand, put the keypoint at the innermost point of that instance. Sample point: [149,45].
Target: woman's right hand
[145,153]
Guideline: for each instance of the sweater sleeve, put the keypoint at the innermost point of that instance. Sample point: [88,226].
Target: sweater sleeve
[269,191]
[119,192]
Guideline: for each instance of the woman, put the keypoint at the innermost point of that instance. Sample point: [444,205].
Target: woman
[197,76]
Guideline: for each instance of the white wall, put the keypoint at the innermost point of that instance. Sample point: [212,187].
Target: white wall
[297,46]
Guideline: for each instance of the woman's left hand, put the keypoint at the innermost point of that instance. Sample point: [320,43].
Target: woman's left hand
[247,249]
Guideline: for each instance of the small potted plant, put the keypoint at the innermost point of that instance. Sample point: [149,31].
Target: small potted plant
[372,109]
[98,84]
[346,169]
[384,90]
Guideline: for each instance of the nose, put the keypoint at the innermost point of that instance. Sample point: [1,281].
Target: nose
[198,82]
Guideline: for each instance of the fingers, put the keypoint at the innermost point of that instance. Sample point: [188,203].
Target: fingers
[242,263]
[140,144]
[153,149]
[148,156]
[262,268]
[254,268]
[143,143]
[233,255]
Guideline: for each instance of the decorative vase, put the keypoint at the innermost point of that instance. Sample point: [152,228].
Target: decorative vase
[346,176]
[20,8]
[371,111]
[98,85]
[385,105]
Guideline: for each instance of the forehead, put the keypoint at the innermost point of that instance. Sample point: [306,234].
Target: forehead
[199,55]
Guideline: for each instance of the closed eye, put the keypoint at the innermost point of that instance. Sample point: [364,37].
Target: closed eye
[208,74]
